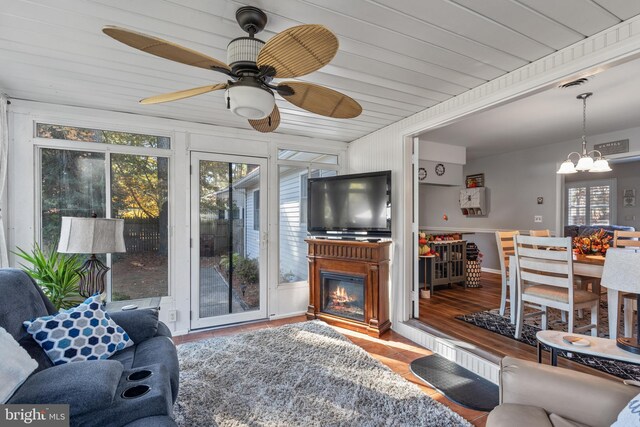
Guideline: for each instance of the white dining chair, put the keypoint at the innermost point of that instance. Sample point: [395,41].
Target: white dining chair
[504,240]
[582,282]
[628,240]
[545,280]
[621,273]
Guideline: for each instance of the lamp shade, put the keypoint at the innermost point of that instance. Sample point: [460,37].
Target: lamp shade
[567,167]
[600,165]
[622,270]
[91,235]
[585,163]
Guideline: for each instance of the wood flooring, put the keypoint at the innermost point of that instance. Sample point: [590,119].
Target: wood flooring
[439,313]
[391,349]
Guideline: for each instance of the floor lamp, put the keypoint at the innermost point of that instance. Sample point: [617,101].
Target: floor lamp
[91,236]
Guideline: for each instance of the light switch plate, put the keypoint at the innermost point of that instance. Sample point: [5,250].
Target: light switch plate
[537,218]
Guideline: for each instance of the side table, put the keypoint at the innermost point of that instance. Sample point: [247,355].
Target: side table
[142,303]
[600,347]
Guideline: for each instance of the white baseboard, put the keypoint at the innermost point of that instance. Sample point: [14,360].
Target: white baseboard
[284,316]
[490,270]
[451,349]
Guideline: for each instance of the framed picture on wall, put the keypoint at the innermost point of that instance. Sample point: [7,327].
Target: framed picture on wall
[629,198]
[474,181]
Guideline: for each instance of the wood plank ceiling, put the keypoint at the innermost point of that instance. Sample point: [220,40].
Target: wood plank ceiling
[397,57]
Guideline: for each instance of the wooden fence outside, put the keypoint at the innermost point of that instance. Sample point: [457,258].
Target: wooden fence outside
[214,237]
[143,235]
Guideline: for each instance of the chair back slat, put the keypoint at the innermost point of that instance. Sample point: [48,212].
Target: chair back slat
[540,233]
[543,279]
[626,239]
[544,265]
[544,253]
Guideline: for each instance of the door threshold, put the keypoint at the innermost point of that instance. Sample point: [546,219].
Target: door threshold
[228,325]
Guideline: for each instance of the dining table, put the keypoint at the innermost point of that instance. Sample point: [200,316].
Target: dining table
[583,265]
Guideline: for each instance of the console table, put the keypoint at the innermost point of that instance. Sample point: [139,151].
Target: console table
[363,266]
[448,265]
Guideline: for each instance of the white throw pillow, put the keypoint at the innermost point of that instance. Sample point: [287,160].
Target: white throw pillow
[16,365]
[630,414]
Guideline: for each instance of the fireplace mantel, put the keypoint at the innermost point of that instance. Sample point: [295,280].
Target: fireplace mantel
[366,260]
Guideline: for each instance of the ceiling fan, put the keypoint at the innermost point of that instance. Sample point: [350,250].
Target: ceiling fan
[252,66]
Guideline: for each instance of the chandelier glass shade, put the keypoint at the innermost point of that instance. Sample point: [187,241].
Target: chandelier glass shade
[587,161]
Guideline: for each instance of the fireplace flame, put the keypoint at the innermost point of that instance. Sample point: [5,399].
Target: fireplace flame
[341,296]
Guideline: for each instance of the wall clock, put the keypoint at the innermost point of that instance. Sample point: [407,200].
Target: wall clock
[422,174]
[439,169]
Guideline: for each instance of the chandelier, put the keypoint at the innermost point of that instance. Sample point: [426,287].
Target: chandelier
[591,161]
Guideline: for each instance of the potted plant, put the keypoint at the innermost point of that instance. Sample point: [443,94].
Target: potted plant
[55,273]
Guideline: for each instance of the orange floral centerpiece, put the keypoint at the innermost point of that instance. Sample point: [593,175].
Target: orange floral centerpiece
[593,244]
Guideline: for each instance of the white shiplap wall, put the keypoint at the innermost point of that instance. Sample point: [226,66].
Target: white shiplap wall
[253,236]
[389,148]
[293,249]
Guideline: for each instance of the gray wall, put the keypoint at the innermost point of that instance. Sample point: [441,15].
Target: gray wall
[514,181]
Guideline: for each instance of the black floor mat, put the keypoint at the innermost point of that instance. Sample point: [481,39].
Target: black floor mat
[456,383]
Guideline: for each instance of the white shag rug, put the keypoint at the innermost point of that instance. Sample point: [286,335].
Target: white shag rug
[303,374]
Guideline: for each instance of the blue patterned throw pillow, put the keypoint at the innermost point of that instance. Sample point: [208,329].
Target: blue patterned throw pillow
[85,332]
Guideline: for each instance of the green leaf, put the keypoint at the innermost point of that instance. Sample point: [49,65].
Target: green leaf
[55,273]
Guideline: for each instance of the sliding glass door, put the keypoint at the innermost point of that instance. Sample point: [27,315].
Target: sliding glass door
[228,223]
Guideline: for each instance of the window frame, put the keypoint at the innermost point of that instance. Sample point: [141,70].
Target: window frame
[256,210]
[611,182]
[107,149]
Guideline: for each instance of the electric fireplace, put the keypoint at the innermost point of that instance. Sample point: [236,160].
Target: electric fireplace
[342,295]
[349,284]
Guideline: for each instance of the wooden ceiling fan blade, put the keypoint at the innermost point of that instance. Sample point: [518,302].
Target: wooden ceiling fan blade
[320,100]
[181,94]
[163,48]
[268,124]
[298,50]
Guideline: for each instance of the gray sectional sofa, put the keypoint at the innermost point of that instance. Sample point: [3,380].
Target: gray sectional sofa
[137,386]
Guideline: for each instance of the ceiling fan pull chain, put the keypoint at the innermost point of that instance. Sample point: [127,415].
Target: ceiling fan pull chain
[228,102]
[269,120]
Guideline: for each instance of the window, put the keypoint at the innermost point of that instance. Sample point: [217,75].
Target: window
[307,157]
[72,133]
[74,183]
[256,210]
[591,202]
[304,179]
[293,220]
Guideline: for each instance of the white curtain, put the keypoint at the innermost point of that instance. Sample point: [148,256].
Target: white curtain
[4,149]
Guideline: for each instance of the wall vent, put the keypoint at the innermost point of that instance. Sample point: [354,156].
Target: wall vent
[578,82]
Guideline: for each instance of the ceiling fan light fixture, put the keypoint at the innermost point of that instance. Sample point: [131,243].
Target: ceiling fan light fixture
[250,102]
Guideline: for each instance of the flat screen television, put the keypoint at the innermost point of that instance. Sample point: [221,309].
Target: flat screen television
[357,205]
